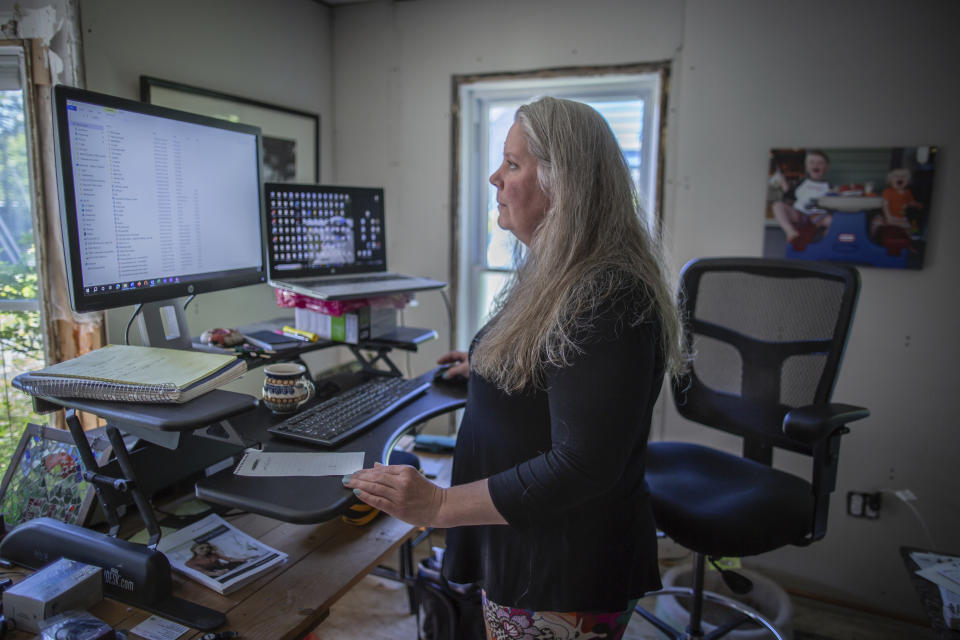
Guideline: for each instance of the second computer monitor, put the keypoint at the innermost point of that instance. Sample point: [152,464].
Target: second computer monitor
[324,230]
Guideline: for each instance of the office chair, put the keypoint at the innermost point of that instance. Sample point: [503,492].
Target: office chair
[767,337]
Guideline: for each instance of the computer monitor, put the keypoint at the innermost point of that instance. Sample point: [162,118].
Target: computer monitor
[317,230]
[155,204]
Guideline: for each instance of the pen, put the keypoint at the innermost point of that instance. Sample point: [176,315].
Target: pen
[300,334]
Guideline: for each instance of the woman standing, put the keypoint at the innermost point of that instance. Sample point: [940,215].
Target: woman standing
[549,511]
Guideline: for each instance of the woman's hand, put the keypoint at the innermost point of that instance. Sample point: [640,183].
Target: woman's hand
[400,491]
[461,366]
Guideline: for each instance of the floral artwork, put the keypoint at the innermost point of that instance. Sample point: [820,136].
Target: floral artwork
[44,479]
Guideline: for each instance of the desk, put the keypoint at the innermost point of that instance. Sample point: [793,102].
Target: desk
[306,500]
[236,419]
[324,562]
[299,500]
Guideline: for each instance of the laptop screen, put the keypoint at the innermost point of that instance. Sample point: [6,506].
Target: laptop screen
[317,230]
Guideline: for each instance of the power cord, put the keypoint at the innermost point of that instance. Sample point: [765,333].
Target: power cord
[80,629]
[738,583]
[403,323]
[446,302]
[126,332]
[907,497]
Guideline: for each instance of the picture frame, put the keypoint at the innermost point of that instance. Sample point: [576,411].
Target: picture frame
[291,137]
[44,477]
[869,206]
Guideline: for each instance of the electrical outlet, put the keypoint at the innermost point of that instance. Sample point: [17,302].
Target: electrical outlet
[854,504]
[863,505]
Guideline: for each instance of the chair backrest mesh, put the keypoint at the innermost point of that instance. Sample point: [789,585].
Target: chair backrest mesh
[767,336]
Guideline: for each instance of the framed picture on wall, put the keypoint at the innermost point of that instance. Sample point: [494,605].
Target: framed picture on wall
[868,206]
[291,138]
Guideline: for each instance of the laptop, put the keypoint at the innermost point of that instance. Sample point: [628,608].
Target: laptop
[330,243]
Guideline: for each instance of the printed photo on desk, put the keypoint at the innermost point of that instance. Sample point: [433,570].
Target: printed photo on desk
[218,555]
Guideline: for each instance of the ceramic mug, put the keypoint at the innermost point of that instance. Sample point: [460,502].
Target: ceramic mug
[286,387]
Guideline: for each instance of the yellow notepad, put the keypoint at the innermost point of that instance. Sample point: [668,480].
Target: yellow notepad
[128,364]
[134,374]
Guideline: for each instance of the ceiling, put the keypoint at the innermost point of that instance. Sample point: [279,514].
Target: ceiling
[340,3]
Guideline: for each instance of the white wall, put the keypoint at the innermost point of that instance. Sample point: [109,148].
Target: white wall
[53,23]
[393,65]
[275,52]
[747,76]
[759,75]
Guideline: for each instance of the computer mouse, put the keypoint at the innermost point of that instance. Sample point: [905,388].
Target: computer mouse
[454,381]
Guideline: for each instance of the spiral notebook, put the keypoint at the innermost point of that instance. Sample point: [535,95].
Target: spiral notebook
[129,373]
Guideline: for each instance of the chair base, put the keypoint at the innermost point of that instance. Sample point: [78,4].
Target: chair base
[748,613]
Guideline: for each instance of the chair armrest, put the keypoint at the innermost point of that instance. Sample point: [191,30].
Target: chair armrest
[813,423]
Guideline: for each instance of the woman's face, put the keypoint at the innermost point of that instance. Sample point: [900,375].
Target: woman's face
[520,201]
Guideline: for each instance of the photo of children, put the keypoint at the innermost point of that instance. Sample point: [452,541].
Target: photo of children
[798,210]
[899,206]
[866,206]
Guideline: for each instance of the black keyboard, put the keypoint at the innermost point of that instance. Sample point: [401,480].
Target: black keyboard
[351,412]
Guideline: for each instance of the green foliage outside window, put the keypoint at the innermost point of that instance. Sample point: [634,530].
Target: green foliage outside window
[21,334]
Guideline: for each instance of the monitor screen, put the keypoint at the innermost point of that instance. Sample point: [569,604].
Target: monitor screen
[324,230]
[155,203]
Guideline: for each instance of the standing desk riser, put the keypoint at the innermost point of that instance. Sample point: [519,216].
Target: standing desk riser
[238,419]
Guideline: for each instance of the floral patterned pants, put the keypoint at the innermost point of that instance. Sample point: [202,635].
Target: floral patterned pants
[507,623]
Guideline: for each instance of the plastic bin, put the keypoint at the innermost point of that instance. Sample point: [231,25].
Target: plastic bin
[767,597]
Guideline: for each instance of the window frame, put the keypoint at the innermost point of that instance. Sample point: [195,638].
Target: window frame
[66,334]
[469,136]
[21,50]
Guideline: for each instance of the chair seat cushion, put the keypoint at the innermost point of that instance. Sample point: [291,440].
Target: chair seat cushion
[720,504]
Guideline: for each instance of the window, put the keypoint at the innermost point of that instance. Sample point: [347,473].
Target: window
[631,104]
[21,334]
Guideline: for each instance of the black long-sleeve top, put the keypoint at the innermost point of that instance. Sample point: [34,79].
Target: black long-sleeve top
[565,465]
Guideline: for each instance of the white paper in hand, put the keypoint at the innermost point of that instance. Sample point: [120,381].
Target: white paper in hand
[282,463]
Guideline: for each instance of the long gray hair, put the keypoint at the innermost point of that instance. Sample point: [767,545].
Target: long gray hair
[591,246]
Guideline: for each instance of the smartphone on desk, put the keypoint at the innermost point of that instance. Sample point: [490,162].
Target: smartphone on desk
[271,341]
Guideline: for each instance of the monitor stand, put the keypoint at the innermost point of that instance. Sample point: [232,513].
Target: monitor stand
[164,324]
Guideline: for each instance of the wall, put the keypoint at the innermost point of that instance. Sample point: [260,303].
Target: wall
[878,75]
[275,52]
[393,100]
[54,23]
[747,76]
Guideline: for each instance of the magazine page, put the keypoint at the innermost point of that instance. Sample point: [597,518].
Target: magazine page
[218,555]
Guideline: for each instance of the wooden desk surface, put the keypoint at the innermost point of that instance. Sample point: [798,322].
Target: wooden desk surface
[325,561]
